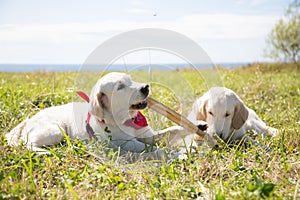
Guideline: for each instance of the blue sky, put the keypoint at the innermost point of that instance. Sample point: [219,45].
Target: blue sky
[41,31]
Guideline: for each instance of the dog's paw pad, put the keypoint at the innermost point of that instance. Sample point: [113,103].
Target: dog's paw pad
[273,131]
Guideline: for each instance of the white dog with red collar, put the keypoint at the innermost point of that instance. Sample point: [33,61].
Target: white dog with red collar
[111,113]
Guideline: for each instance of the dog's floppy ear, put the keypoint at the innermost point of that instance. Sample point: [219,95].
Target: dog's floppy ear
[240,115]
[200,108]
[98,103]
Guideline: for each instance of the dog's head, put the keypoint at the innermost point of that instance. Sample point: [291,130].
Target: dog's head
[223,111]
[116,98]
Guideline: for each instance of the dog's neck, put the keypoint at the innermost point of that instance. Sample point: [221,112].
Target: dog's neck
[138,121]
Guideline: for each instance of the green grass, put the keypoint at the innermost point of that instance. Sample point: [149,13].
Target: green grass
[72,172]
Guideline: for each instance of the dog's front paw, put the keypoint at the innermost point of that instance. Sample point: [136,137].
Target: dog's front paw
[272,131]
[180,156]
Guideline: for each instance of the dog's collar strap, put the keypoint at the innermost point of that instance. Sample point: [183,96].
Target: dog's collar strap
[84,96]
[138,122]
[88,127]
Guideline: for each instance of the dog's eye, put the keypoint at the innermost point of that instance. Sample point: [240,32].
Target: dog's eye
[121,86]
[227,114]
[210,113]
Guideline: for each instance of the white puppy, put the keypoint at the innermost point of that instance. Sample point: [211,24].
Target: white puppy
[227,116]
[113,112]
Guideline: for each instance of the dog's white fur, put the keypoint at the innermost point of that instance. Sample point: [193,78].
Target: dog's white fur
[227,116]
[110,102]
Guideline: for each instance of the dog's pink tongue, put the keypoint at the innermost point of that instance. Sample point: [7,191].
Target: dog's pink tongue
[138,122]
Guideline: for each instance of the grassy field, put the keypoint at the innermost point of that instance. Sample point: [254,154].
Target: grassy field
[71,172]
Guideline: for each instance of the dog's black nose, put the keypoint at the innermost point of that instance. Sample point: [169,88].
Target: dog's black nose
[145,90]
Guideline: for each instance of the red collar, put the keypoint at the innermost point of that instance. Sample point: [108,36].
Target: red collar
[85,97]
[88,127]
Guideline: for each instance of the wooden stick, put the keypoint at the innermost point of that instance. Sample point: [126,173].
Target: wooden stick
[174,116]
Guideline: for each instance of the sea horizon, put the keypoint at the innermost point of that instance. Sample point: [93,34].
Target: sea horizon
[113,67]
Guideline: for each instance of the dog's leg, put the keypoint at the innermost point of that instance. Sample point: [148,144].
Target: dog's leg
[272,131]
[169,135]
[253,142]
[14,136]
[39,150]
[260,127]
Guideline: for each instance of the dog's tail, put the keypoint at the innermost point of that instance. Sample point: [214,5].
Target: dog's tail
[14,136]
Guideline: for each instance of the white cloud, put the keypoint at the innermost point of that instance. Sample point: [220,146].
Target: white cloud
[136,3]
[226,26]
[139,11]
[252,2]
[62,40]
[218,26]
